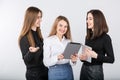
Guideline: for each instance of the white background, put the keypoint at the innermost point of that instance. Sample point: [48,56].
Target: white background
[11,20]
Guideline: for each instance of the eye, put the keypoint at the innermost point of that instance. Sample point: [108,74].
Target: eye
[65,26]
[90,19]
[39,17]
[60,25]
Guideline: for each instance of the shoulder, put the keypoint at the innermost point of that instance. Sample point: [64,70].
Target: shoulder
[24,42]
[24,39]
[49,39]
[106,37]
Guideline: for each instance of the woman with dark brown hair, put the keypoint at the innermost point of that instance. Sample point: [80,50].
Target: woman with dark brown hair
[101,44]
[31,45]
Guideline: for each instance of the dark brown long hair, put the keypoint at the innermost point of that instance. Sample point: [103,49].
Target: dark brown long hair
[54,27]
[29,20]
[100,25]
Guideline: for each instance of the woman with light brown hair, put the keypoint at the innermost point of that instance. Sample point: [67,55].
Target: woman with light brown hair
[31,45]
[54,45]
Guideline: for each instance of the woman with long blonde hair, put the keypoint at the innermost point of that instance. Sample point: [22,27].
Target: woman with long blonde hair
[54,45]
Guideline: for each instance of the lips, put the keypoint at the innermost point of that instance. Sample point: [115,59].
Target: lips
[62,31]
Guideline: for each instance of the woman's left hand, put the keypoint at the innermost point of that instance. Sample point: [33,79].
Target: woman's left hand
[91,53]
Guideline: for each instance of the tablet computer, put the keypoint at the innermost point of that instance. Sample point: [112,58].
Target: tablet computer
[71,48]
[83,51]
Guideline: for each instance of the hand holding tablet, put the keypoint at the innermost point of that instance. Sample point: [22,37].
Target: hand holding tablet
[84,47]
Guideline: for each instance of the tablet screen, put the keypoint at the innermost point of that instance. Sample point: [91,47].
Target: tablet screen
[71,48]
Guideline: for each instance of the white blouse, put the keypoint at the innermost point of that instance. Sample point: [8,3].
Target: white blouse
[52,48]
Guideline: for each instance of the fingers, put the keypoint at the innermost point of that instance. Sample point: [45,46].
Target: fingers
[91,53]
[60,57]
[37,47]
[83,57]
[74,57]
[33,49]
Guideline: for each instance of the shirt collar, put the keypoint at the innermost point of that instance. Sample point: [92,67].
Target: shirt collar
[62,38]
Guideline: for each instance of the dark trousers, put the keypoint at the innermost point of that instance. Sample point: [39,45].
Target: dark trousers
[36,75]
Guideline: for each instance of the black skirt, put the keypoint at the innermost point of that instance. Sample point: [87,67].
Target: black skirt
[91,72]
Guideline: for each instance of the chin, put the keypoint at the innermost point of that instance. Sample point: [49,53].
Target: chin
[38,26]
[89,27]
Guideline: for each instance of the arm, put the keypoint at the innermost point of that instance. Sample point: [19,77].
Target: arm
[26,54]
[109,57]
[48,59]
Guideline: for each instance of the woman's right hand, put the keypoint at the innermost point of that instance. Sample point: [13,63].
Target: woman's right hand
[74,57]
[60,57]
[83,57]
[33,49]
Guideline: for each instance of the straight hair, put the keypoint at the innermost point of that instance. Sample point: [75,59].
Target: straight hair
[29,20]
[100,25]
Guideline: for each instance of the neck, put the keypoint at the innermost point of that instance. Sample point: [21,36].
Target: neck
[34,28]
[60,36]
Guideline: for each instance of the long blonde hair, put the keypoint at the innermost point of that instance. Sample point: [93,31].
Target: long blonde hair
[54,27]
[29,20]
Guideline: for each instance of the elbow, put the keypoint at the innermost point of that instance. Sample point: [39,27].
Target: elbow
[26,60]
[112,60]
[45,63]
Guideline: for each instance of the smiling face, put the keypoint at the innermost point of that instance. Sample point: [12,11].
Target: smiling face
[90,21]
[61,28]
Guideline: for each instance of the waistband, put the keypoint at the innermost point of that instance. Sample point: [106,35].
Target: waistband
[91,64]
[56,65]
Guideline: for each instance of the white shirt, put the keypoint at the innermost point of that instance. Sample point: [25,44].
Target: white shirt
[52,48]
